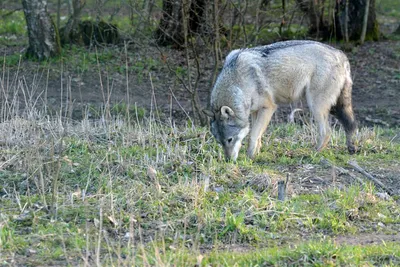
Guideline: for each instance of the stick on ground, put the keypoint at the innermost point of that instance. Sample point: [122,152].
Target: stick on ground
[369,176]
[282,186]
[281,190]
[342,170]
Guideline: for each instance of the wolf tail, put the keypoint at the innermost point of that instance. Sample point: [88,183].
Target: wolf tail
[343,110]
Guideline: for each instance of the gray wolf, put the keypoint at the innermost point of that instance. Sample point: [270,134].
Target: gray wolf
[254,81]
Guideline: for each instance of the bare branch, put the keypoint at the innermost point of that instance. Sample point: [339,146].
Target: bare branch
[369,176]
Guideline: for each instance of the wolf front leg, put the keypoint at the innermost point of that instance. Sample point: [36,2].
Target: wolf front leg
[259,124]
[321,113]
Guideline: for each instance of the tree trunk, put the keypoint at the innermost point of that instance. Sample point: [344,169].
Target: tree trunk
[365,22]
[356,10]
[77,6]
[170,30]
[397,31]
[44,41]
[314,9]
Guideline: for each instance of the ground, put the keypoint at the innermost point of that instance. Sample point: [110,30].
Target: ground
[135,71]
[94,185]
[375,71]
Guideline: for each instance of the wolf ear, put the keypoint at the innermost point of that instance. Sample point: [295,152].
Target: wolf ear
[209,113]
[226,112]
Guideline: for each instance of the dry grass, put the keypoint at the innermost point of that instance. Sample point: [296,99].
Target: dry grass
[126,190]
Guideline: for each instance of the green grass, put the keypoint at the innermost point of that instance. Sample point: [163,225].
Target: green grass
[315,253]
[130,190]
[164,195]
[12,23]
[13,27]
[82,60]
[388,7]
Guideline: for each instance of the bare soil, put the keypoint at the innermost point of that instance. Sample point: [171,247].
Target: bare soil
[375,70]
[376,90]
[366,239]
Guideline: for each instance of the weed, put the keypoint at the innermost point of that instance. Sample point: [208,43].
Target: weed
[128,188]
[12,23]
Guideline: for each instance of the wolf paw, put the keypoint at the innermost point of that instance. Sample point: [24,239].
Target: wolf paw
[251,153]
[352,149]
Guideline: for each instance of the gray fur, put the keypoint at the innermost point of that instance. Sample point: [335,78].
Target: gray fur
[254,81]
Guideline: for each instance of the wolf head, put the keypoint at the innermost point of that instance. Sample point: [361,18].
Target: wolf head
[229,130]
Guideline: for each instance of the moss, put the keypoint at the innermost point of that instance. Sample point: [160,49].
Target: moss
[374,34]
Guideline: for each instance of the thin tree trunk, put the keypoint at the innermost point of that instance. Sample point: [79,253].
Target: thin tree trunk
[316,16]
[70,8]
[216,45]
[346,21]
[170,30]
[283,18]
[258,21]
[365,22]
[315,13]
[352,13]
[234,16]
[58,13]
[44,41]
[185,9]
[330,16]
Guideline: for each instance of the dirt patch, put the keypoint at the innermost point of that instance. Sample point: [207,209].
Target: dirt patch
[375,70]
[312,178]
[376,90]
[366,239]
[389,176]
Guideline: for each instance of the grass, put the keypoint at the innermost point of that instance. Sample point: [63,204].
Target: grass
[389,8]
[129,188]
[13,26]
[121,191]
[83,60]
[124,188]
[314,253]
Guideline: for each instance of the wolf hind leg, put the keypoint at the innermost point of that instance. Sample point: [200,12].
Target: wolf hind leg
[343,111]
[260,121]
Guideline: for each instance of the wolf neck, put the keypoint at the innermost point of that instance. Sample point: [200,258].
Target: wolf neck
[233,97]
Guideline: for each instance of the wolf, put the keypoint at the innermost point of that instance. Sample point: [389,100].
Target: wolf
[254,81]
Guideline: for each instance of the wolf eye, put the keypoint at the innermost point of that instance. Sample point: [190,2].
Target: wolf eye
[230,139]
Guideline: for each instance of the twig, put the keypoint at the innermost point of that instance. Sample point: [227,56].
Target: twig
[179,104]
[100,235]
[342,170]
[391,140]
[10,13]
[378,121]
[369,176]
